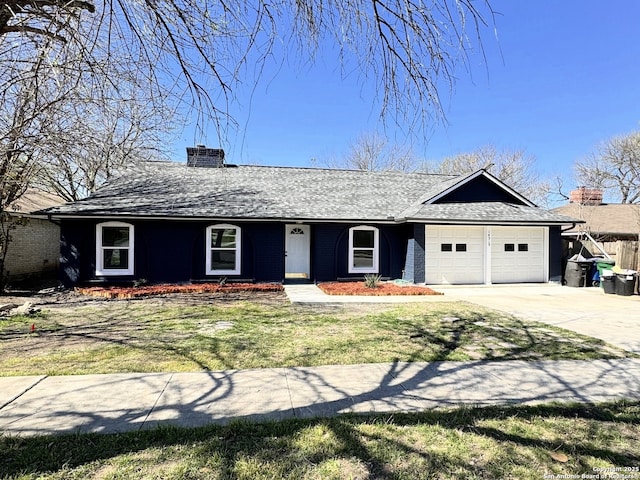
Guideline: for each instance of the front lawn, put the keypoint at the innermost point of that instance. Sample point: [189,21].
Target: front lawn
[525,442]
[200,332]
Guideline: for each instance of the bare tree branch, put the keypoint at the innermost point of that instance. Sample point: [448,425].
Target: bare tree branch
[614,166]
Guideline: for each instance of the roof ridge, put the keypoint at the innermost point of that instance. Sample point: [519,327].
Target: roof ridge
[298,167]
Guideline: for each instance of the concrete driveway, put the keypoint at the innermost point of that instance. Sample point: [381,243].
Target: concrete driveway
[612,318]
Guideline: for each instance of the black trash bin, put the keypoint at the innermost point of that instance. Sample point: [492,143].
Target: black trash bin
[608,283]
[577,273]
[625,284]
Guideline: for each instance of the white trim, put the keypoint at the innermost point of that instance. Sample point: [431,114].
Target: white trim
[100,270]
[209,248]
[487,255]
[288,259]
[545,246]
[375,250]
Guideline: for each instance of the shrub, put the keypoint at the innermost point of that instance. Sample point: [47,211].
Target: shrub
[372,280]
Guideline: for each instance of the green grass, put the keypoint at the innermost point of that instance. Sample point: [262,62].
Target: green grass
[161,336]
[467,443]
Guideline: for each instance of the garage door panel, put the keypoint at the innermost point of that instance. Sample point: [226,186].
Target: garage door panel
[454,255]
[517,254]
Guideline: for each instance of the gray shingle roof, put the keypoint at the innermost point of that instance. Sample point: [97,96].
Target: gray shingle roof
[173,189]
[605,219]
[488,213]
[169,189]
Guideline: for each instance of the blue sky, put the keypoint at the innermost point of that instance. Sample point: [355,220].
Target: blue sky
[559,77]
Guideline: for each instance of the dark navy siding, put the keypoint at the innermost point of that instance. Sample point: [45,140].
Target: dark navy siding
[480,189]
[171,251]
[555,254]
[264,251]
[330,251]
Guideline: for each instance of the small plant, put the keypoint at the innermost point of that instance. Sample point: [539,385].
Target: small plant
[372,280]
[140,282]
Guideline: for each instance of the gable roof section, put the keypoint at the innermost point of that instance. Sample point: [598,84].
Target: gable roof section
[173,190]
[606,219]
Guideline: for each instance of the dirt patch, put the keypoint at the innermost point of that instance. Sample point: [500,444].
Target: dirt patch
[79,321]
[70,298]
[383,289]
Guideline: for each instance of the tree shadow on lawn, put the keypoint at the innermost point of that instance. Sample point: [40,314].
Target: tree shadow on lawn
[362,449]
[319,396]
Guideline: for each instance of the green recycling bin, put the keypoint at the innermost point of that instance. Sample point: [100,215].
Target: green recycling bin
[602,265]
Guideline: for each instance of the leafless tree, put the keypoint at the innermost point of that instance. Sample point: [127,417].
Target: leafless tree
[203,49]
[65,125]
[614,166]
[513,167]
[61,59]
[374,152]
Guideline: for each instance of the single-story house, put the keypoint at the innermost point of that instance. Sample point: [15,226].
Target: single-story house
[34,247]
[207,220]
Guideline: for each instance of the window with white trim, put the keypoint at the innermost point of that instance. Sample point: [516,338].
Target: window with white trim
[223,250]
[363,250]
[114,248]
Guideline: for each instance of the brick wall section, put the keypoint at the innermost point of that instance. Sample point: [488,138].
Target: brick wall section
[35,248]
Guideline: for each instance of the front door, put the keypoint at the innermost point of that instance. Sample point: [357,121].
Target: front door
[297,247]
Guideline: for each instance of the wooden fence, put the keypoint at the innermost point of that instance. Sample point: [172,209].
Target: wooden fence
[627,255]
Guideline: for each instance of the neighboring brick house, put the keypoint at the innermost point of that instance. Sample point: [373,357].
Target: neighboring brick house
[171,222]
[35,246]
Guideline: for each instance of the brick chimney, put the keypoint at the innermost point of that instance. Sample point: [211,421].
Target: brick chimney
[201,156]
[586,196]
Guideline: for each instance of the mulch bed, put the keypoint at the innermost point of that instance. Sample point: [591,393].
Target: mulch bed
[151,290]
[359,288]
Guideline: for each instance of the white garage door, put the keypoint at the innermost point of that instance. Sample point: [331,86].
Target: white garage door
[518,254]
[454,255]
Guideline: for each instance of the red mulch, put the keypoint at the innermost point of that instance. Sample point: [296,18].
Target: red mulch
[148,290]
[359,288]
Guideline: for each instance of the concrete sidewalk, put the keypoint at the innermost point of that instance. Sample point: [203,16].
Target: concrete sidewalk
[127,402]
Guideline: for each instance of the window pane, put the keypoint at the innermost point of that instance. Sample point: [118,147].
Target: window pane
[363,238]
[223,238]
[446,247]
[223,260]
[523,247]
[363,258]
[461,247]
[509,247]
[115,236]
[115,258]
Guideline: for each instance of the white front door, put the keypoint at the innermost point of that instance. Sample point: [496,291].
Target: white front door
[297,248]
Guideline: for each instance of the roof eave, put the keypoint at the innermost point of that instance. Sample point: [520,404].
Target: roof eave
[121,216]
[487,222]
